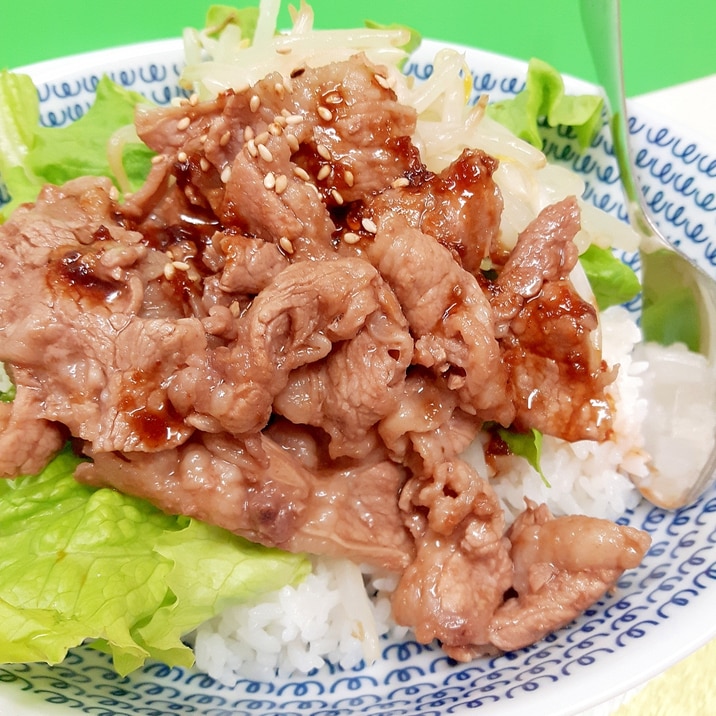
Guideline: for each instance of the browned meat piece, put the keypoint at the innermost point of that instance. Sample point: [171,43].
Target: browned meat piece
[562,565]
[449,316]
[251,264]
[272,159]
[27,443]
[427,427]
[74,281]
[292,322]
[546,332]
[255,488]
[461,207]
[462,566]
[355,386]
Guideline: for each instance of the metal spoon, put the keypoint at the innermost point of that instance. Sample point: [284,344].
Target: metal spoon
[664,269]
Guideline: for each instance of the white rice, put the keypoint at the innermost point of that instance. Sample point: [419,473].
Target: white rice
[329,616]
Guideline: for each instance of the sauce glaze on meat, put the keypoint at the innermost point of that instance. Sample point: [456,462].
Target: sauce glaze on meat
[287,332]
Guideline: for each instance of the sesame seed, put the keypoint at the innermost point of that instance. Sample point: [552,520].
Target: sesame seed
[183,123]
[280,120]
[254,103]
[292,119]
[285,112]
[203,138]
[324,172]
[288,85]
[157,159]
[285,243]
[384,82]
[204,164]
[235,309]
[281,183]
[333,98]
[169,271]
[270,180]
[325,113]
[113,193]
[369,225]
[262,138]
[284,50]
[301,173]
[280,89]
[248,132]
[180,265]
[348,177]
[182,157]
[194,99]
[292,140]
[337,197]
[265,153]
[225,138]
[324,152]
[226,174]
[400,182]
[251,148]
[351,238]
[276,129]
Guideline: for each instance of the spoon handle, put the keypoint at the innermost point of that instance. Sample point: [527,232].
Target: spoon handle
[601,20]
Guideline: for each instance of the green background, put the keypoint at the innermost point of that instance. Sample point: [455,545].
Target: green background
[665,41]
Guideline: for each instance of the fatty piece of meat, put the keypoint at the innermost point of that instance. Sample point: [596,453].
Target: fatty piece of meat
[293,322]
[462,566]
[460,207]
[562,566]
[257,489]
[547,333]
[258,158]
[449,316]
[75,280]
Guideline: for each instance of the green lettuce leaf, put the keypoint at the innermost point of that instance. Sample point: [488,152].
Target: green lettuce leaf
[612,281]
[544,97]
[219,16]
[79,563]
[32,155]
[526,445]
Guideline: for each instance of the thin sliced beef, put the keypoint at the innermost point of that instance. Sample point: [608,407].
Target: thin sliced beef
[460,207]
[257,489]
[562,565]
[69,323]
[462,567]
[274,158]
[27,443]
[448,314]
[293,322]
[547,333]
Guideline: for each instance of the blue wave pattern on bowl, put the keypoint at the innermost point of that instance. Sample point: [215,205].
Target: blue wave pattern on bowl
[678,572]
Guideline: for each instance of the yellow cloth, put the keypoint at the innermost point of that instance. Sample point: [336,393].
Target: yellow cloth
[686,689]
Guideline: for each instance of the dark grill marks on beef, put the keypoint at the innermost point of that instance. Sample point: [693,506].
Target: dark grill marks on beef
[287,332]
